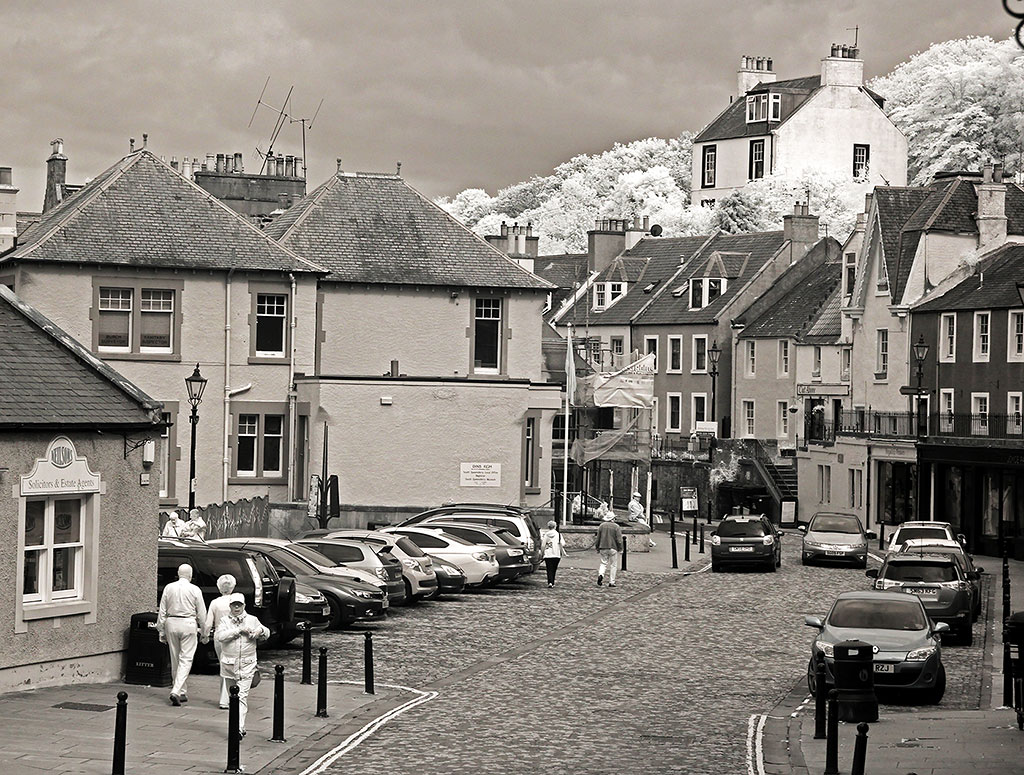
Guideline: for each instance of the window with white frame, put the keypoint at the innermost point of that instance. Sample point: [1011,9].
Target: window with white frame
[982,336]
[704,290]
[674,418]
[699,359]
[675,355]
[748,418]
[782,426]
[979,414]
[824,484]
[1015,335]
[861,160]
[750,358]
[698,409]
[271,324]
[783,357]
[947,337]
[651,347]
[696,293]
[755,161]
[1013,412]
[845,363]
[156,320]
[881,353]
[531,452]
[775,108]
[856,488]
[115,319]
[757,108]
[605,294]
[816,362]
[709,164]
[849,274]
[54,549]
[487,335]
[617,345]
[881,275]
[259,445]
[946,410]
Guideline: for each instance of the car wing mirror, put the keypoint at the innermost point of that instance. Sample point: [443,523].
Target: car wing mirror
[802,528]
[814,621]
[978,569]
[939,628]
[871,573]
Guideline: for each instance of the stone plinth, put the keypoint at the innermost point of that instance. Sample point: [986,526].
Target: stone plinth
[583,537]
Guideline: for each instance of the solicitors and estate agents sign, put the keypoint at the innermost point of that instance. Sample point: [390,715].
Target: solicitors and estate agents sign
[61,471]
[480,475]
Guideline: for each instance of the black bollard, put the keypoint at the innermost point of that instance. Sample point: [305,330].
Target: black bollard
[120,734]
[307,654]
[233,732]
[832,741]
[1007,671]
[278,705]
[694,527]
[368,663]
[686,552]
[860,749]
[701,550]
[881,535]
[820,696]
[623,552]
[321,685]
[672,531]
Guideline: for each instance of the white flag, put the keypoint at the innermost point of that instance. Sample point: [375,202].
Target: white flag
[570,370]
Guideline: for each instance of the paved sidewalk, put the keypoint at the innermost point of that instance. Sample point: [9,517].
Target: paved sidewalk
[926,740]
[69,730]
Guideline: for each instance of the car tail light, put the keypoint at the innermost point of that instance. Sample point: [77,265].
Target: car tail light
[257,581]
[768,540]
[381,573]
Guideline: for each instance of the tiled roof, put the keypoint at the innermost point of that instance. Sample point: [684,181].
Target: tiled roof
[141,212]
[375,228]
[26,221]
[828,326]
[992,286]
[895,206]
[669,309]
[51,380]
[732,122]
[803,308]
[564,270]
[909,240]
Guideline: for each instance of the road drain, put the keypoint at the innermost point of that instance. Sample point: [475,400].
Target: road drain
[83,706]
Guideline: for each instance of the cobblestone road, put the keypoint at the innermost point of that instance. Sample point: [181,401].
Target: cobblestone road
[659,675]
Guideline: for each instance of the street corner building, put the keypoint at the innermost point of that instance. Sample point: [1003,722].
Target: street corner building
[78,505]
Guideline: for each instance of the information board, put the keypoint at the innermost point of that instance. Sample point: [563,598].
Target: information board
[480,475]
[688,498]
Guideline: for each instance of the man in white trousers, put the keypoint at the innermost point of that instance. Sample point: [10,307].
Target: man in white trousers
[181,619]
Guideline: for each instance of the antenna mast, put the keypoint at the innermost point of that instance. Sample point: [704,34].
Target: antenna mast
[282,116]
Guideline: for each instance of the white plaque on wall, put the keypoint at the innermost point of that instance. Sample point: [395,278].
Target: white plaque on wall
[480,475]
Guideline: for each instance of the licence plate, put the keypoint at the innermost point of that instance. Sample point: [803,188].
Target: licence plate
[883,668]
[741,548]
[922,591]
[327,610]
[834,552]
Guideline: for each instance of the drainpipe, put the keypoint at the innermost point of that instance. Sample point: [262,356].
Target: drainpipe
[227,384]
[292,420]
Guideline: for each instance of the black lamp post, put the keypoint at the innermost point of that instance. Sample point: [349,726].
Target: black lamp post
[713,355]
[920,354]
[195,385]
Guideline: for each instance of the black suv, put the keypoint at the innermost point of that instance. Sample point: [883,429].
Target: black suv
[268,597]
[747,539]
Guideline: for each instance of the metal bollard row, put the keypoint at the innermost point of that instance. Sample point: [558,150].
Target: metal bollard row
[120,734]
[278,734]
[624,551]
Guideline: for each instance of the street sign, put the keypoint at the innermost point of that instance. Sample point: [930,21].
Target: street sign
[688,498]
[907,390]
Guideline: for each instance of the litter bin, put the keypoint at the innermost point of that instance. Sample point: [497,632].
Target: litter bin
[149,661]
[855,681]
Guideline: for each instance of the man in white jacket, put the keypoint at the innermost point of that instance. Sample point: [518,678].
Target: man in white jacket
[238,634]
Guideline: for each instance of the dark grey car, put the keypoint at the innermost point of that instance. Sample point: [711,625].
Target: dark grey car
[749,539]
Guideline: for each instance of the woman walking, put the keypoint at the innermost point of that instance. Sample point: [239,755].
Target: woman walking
[238,633]
[554,550]
[219,609]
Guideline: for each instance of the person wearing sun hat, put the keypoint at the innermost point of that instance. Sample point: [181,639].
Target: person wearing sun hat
[609,539]
[238,633]
[638,515]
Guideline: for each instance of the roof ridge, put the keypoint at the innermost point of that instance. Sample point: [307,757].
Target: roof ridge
[312,201]
[660,291]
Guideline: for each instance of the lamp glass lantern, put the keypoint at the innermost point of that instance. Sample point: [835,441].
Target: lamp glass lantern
[195,385]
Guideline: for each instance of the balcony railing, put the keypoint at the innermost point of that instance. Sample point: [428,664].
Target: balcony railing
[679,446]
[909,424]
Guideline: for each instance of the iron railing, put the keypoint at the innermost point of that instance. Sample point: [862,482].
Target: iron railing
[910,424]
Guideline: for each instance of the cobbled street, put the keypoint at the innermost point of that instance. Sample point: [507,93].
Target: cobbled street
[658,675]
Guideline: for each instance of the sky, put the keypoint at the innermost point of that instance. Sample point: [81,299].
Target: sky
[465,93]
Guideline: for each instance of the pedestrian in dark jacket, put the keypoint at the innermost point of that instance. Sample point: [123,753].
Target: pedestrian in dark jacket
[609,539]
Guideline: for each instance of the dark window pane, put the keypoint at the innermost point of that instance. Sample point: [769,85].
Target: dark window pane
[35,521]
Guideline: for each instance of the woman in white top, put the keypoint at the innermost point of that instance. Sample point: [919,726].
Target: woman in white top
[218,609]
[238,633]
[554,550]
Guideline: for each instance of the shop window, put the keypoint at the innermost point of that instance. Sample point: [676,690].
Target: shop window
[54,550]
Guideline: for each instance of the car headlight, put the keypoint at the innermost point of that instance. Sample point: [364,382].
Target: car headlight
[301,598]
[809,544]
[920,655]
[768,540]
[481,556]
[410,564]
[716,541]
[826,648]
[362,594]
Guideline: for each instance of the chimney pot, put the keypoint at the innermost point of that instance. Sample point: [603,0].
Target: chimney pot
[339,164]
[280,165]
[174,162]
[529,229]
[769,64]
[504,229]
[289,166]
[986,173]
[239,164]
[398,168]
[997,172]
[131,145]
[145,139]
[394,368]
[647,223]
[220,162]
[298,167]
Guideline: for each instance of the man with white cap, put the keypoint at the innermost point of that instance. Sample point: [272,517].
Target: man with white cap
[238,633]
[637,513]
[609,539]
[180,621]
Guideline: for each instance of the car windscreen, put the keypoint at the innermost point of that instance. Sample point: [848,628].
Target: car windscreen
[469,534]
[338,552]
[509,538]
[209,568]
[746,528]
[879,615]
[834,523]
[409,547]
[931,572]
[907,533]
[311,555]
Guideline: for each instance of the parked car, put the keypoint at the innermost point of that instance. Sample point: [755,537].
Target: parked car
[746,539]
[908,643]
[450,578]
[832,537]
[955,550]
[364,557]
[509,551]
[311,608]
[417,566]
[522,527]
[922,529]
[268,597]
[938,581]
[348,600]
[480,565]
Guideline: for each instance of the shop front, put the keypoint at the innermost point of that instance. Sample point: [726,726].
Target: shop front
[894,477]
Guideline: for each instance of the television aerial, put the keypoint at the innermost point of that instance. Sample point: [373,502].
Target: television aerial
[283,116]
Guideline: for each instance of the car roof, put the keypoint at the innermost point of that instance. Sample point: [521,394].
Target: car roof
[330,539]
[422,530]
[833,514]
[874,594]
[925,523]
[944,543]
[743,517]
[910,557]
[355,533]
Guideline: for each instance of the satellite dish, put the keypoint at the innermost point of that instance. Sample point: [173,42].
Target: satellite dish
[656,230]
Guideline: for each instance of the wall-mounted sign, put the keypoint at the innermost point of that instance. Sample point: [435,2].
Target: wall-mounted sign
[788,515]
[688,498]
[706,426]
[60,471]
[480,475]
[823,389]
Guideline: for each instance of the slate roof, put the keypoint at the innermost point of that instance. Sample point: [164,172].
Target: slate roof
[828,326]
[803,309]
[49,380]
[992,286]
[141,212]
[670,309]
[565,270]
[732,122]
[375,228]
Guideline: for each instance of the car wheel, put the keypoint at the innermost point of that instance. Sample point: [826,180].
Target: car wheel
[716,568]
[933,696]
[409,597]
[967,636]
[770,567]
[336,619]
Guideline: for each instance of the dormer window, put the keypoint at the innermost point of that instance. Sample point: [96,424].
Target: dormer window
[764,107]
[775,113]
[606,294]
[704,290]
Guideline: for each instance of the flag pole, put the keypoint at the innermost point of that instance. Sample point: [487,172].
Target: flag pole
[570,384]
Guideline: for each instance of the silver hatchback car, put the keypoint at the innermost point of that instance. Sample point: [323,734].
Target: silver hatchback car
[832,537]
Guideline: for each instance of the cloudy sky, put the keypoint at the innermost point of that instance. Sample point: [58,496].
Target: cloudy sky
[465,93]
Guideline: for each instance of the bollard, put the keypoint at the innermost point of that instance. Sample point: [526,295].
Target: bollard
[701,550]
[623,552]
[881,535]
[694,527]
[307,653]
[686,553]
[368,663]
[860,749]
[820,696]
[233,732]
[278,705]
[832,740]
[321,685]
[120,734]
[1007,671]
[672,532]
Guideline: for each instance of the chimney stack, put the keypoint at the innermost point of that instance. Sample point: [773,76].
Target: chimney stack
[8,211]
[991,218]
[800,230]
[604,243]
[56,175]
[842,67]
[753,70]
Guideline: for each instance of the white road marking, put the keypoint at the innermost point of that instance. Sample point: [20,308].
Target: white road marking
[699,570]
[368,729]
[874,556]
[755,752]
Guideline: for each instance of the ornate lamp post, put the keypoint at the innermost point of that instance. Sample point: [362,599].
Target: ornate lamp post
[195,385]
[920,354]
[713,355]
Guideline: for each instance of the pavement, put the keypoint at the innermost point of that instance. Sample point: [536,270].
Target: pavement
[925,740]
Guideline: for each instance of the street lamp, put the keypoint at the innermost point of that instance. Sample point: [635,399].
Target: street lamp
[920,353]
[713,355]
[195,385]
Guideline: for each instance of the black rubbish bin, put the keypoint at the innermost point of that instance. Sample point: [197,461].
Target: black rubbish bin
[149,662]
[855,680]
[1014,637]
